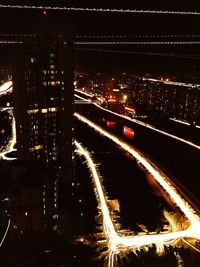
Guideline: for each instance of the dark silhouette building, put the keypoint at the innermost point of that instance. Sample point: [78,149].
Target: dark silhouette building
[43,109]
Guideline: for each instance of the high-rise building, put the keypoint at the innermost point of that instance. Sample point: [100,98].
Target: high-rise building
[43,106]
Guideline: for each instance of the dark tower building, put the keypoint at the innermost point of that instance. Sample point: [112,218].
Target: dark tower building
[43,108]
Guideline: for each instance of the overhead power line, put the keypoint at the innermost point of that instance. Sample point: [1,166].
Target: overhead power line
[105,10]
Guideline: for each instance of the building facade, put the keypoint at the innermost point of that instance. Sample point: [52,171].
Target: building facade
[43,109]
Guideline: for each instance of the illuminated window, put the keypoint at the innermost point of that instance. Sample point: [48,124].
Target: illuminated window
[33,60]
[53,83]
[44,110]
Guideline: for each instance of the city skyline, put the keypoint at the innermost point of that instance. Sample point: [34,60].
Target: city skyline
[100,123]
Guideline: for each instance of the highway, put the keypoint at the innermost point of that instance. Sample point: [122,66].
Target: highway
[143,124]
[189,85]
[119,243]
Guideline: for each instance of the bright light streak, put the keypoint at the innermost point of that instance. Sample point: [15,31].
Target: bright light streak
[191,85]
[108,224]
[6,87]
[107,10]
[183,122]
[80,97]
[10,146]
[5,234]
[118,242]
[9,42]
[84,93]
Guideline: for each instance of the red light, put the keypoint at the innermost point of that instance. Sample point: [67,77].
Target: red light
[110,124]
[128,132]
[130,109]
[44,12]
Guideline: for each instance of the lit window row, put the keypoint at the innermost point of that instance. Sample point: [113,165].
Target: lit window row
[43,110]
[38,147]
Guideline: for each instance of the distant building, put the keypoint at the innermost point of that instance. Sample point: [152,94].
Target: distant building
[170,100]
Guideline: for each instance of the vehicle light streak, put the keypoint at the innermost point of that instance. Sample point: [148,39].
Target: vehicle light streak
[10,146]
[87,100]
[183,122]
[191,85]
[84,93]
[5,234]
[119,243]
[6,88]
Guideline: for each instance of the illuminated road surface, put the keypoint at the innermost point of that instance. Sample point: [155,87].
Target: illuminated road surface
[10,146]
[147,125]
[119,243]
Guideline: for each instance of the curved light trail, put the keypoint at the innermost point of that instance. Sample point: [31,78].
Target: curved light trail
[5,234]
[10,146]
[6,88]
[119,243]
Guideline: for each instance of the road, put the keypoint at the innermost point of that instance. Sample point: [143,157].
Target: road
[118,243]
[175,156]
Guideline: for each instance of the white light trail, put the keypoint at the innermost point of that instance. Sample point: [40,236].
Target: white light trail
[183,122]
[192,85]
[5,234]
[108,224]
[10,146]
[107,10]
[9,42]
[118,242]
[87,100]
[6,88]
[84,93]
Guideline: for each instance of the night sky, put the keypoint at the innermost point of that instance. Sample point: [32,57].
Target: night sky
[93,23]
